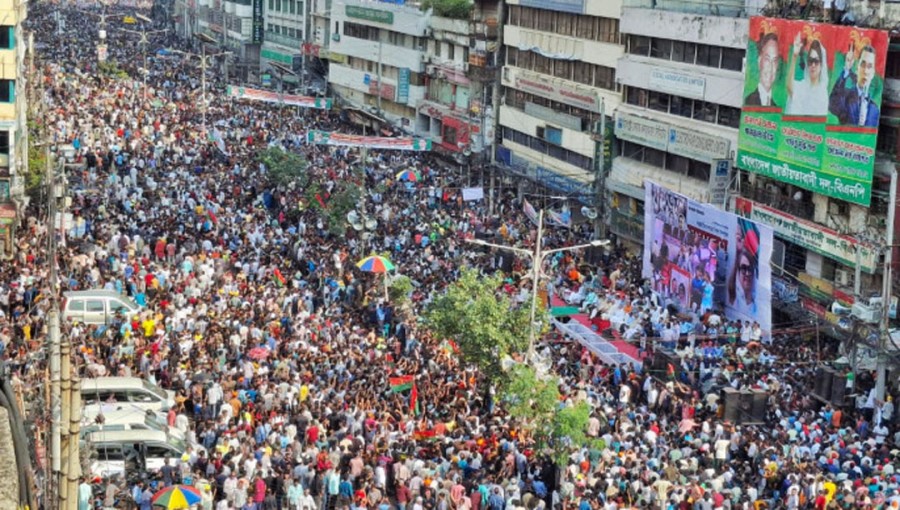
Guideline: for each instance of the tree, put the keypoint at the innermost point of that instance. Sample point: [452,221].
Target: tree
[284,167]
[482,320]
[534,402]
[454,9]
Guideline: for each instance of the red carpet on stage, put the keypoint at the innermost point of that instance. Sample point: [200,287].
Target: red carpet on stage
[621,345]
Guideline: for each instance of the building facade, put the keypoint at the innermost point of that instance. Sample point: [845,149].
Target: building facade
[13,121]
[378,54]
[458,108]
[682,78]
[237,26]
[558,82]
[285,31]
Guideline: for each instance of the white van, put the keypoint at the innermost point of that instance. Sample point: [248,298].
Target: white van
[117,452]
[130,419]
[97,306]
[109,394]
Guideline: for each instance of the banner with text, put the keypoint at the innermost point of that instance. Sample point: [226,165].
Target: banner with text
[812,99]
[266,96]
[702,258]
[824,241]
[372,142]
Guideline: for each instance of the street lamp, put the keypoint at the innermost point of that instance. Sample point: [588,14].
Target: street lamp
[143,33]
[204,64]
[537,258]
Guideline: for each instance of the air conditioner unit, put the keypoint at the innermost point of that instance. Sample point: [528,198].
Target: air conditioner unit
[842,277]
[866,313]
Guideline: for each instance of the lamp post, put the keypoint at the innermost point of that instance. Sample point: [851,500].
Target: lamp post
[537,259]
[204,64]
[282,70]
[144,41]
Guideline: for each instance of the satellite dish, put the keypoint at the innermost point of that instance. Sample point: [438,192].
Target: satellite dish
[589,212]
[371,224]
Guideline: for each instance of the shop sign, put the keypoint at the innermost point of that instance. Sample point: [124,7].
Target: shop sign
[535,84]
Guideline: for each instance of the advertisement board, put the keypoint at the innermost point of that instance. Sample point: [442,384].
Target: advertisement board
[534,83]
[702,258]
[677,83]
[812,100]
[403,85]
[257,28]
[671,138]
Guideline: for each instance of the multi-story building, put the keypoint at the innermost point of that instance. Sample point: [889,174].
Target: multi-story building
[682,82]
[378,56]
[236,25]
[457,110]
[558,80]
[13,127]
[285,31]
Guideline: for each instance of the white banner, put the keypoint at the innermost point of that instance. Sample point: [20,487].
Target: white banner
[469,194]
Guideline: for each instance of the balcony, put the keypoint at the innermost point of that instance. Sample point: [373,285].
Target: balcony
[283,40]
[800,208]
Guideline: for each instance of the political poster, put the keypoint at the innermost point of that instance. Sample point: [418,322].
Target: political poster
[267,96]
[372,142]
[812,103]
[699,257]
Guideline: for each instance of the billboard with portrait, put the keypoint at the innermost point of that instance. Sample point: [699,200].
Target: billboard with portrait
[700,258]
[812,102]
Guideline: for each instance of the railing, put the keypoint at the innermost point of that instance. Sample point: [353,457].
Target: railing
[289,42]
[731,8]
[799,208]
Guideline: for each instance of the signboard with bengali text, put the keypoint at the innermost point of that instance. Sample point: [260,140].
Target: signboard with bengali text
[372,142]
[267,96]
[812,105]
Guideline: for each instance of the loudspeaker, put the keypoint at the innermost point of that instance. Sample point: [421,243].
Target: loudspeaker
[731,401]
[824,382]
[838,389]
[760,401]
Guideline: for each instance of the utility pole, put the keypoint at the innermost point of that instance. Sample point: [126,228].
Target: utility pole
[886,293]
[53,337]
[144,42]
[378,92]
[204,64]
[600,178]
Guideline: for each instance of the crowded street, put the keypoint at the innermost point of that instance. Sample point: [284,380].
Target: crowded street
[281,353]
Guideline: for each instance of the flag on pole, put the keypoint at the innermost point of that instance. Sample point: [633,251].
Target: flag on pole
[414,400]
[402,383]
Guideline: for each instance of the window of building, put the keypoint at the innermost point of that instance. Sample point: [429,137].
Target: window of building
[563,69]
[7,91]
[705,112]
[729,116]
[892,67]
[451,51]
[639,45]
[708,56]
[681,106]
[683,51]
[658,101]
[271,5]
[554,151]
[4,142]
[553,135]
[278,5]
[732,59]
[661,48]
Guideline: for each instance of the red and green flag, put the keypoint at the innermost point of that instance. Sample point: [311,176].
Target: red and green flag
[414,401]
[401,383]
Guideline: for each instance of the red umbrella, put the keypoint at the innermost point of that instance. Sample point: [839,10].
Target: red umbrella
[258,353]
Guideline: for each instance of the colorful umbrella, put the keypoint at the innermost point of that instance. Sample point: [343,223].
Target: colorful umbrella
[375,264]
[258,353]
[408,175]
[176,497]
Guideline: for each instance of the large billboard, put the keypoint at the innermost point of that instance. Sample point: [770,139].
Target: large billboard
[812,102]
[702,258]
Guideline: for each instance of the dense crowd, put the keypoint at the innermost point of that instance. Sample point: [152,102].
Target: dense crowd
[225,262]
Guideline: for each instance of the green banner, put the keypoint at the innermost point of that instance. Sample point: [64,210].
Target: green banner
[369,14]
[812,98]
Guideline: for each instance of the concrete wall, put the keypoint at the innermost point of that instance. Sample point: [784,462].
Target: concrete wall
[713,30]
[593,52]
[722,86]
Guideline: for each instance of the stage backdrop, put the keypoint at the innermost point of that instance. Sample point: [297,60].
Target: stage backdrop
[702,257]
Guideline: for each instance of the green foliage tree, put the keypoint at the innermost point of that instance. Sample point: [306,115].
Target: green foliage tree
[399,290]
[284,167]
[481,320]
[534,401]
[455,9]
